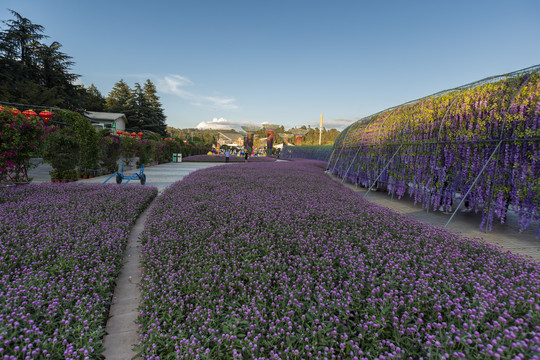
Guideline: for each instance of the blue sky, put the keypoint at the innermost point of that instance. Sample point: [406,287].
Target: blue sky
[228,63]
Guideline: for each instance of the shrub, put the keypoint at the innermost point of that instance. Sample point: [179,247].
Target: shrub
[145,152]
[61,150]
[86,136]
[129,149]
[111,150]
[19,140]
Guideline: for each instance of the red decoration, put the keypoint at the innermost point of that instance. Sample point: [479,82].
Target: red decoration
[133,134]
[15,112]
[126,133]
[29,113]
[46,115]
[1,108]
[140,134]
[119,132]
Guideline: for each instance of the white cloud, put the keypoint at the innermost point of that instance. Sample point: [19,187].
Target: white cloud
[176,84]
[223,124]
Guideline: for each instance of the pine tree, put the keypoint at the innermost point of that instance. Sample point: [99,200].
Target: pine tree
[34,73]
[20,40]
[140,111]
[118,100]
[94,101]
[156,118]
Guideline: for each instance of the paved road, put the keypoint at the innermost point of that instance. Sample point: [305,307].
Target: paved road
[160,176]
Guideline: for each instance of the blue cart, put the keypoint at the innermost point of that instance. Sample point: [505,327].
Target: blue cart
[120,176]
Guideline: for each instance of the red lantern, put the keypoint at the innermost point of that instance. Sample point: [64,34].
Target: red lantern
[140,134]
[133,134]
[119,133]
[29,113]
[46,115]
[170,139]
[15,112]
[1,108]
[126,133]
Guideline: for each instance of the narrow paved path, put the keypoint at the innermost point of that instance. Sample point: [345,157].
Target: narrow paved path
[121,331]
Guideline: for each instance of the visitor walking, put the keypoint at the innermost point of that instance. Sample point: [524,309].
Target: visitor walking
[227,154]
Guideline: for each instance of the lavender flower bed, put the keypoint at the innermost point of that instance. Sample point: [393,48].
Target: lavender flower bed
[278,261]
[61,248]
[312,152]
[221,158]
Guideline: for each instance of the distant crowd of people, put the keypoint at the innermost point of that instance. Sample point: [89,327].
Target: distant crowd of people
[238,151]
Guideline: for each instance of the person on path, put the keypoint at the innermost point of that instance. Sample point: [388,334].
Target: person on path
[227,153]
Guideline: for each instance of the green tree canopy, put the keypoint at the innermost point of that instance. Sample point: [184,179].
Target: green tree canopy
[140,105]
[119,98]
[32,72]
[156,119]
[94,101]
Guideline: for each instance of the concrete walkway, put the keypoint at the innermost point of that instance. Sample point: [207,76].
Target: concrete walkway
[160,176]
[506,235]
[121,330]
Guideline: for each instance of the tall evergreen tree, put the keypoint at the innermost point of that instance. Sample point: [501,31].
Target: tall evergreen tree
[140,112]
[119,98]
[94,101]
[156,120]
[34,73]
[20,40]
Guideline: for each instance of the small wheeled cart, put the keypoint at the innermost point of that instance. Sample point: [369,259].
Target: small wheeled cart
[121,175]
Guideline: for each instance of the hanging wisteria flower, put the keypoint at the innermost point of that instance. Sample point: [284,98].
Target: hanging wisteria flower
[482,140]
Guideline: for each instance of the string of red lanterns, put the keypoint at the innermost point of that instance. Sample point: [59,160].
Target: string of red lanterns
[126,133]
[45,115]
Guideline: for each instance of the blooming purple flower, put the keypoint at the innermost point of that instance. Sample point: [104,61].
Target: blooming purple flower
[276,260]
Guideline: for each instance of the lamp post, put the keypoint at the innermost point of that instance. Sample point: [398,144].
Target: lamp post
[320,130]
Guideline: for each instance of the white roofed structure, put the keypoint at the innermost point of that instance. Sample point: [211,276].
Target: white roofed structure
[106,120]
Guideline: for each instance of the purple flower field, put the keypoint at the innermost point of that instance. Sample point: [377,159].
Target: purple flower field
[221,158]
[61,247]
[278,261]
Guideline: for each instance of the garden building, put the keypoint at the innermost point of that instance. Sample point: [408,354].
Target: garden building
[230,139]
[106,120]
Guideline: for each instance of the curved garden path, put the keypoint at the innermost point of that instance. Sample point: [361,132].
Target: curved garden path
[121,330]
